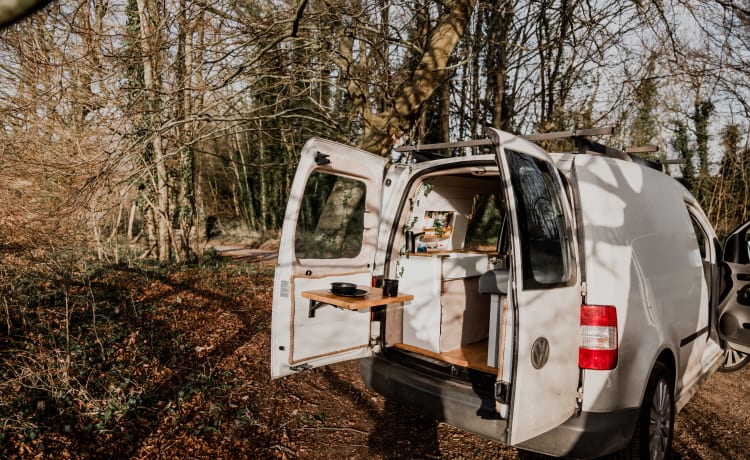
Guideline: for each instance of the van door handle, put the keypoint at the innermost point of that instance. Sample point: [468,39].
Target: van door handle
[743,276]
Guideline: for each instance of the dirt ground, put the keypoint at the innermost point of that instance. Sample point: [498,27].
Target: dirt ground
[179,362]
[715,423]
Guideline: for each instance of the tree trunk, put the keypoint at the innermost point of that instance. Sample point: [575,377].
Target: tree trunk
[150,40]
[382,128]
[184,70]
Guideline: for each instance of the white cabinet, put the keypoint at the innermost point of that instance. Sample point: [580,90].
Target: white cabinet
[423,276]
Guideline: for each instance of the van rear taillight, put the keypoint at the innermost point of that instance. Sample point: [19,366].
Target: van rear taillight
[598,337]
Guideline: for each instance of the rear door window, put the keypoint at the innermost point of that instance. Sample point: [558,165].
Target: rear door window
[544,232]
[331,218]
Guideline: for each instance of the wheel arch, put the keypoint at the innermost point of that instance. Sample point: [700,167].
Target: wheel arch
[666,357]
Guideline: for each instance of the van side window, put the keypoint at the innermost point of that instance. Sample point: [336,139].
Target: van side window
[737,248]
[331,218]
[545,235]
[700,235]
[703,246]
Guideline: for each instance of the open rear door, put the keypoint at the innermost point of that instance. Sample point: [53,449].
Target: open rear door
[545,293]
[734,316]
[329,234]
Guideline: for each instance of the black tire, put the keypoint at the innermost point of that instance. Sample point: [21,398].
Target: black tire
[733,360]
[655,427]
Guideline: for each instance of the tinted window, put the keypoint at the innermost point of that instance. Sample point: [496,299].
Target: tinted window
[331,219]
[700,236]
[545,235]
[737,246]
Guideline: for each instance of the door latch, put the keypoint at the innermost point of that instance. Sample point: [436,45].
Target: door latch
[502,392]
[321,159]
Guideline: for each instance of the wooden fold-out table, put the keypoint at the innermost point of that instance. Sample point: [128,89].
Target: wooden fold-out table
[373,298]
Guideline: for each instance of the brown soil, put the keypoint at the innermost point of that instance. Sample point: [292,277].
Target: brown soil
[177,367]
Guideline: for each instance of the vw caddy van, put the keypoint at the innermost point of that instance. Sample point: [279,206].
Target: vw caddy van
[569,304]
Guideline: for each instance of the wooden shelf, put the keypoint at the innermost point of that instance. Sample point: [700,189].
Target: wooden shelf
[373,298]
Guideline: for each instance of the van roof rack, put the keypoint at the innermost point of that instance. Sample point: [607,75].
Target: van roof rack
[425,152]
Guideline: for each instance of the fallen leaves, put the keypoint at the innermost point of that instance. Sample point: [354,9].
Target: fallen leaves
[177,366]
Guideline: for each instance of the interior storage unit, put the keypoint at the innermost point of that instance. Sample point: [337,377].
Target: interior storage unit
[451,229]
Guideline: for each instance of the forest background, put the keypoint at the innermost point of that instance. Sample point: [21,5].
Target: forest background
[131,127]
[130,124]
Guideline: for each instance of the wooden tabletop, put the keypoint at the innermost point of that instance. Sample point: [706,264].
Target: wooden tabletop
[373,298]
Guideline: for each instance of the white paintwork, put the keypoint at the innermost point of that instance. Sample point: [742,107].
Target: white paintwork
[332,335]
[641,257]
[543,398]
[393,190]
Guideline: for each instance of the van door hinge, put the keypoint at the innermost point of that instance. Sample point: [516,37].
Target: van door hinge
[502,392]
[301,367]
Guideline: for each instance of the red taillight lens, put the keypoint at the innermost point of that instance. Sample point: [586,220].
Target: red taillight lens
[598,337]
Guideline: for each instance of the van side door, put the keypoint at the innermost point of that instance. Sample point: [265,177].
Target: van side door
[329,234]
[545,290]
[699,349]
[734,311]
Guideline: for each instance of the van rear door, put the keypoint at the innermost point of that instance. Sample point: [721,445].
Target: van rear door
[545,290]
[329,234]
[734,311]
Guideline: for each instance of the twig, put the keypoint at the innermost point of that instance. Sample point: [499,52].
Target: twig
[331,428]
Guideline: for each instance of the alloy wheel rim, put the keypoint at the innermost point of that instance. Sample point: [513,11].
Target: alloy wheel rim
[733,357]
[660,421]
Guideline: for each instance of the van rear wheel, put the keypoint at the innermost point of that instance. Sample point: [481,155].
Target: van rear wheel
[653,432]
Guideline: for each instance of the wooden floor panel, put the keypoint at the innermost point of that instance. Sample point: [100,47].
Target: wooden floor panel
[473,356]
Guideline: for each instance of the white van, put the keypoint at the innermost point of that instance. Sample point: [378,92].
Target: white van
[561,303]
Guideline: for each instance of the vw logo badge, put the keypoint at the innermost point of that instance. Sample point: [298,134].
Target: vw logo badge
[539,353]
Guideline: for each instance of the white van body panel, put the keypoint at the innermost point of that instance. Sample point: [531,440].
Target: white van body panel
[630,222]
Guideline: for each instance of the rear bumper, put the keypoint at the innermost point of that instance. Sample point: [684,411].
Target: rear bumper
[456,403]
[588,435]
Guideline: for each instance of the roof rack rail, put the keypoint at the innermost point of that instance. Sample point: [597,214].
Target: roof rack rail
[578,133]
[572,133]
[443,145]
[424,152]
